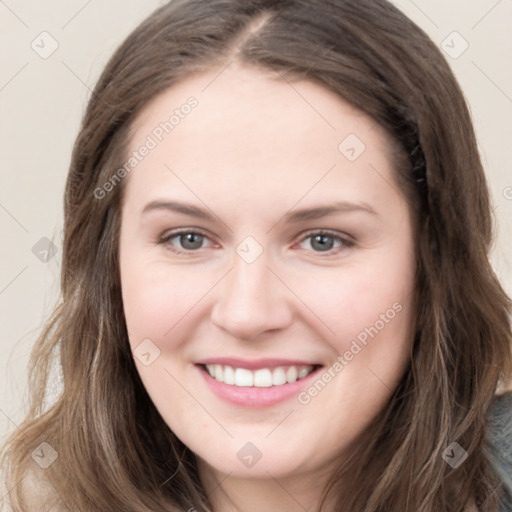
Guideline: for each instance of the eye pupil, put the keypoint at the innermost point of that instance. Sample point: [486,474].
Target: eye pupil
[191,240]
[325,242]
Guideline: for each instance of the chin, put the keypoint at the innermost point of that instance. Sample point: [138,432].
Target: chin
[259,460]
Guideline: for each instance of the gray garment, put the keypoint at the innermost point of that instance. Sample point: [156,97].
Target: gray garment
[499,435]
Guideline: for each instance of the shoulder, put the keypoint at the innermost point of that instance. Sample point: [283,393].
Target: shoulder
[499,425]
[499,437]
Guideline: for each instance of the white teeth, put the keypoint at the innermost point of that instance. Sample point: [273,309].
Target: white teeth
[278,377]
[262,378]
[291,374]
[219,374]
[229,375]
[243,377]
[303,372]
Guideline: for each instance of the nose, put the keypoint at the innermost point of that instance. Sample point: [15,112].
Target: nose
[251,300]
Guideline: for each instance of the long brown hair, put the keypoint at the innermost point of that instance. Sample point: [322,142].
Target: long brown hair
[114,450]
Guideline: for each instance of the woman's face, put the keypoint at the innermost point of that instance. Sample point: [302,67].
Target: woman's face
[264,240]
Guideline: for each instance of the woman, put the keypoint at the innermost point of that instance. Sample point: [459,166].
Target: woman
[276,285]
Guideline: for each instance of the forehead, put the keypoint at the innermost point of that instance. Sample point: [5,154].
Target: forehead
[253,132]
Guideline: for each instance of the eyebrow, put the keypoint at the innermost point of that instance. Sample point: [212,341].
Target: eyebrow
[292,216]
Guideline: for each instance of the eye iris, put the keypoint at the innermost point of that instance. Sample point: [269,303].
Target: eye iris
[194,241]
[191,240]
[325,242]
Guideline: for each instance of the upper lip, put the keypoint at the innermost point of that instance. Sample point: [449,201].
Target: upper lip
[255,364]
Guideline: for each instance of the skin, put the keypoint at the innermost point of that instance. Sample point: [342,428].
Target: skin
[253,149]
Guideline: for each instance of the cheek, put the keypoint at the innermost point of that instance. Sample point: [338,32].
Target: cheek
[378,297]
[157,297]
[371,314]
[360,302]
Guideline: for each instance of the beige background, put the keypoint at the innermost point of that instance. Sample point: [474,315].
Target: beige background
[42,99]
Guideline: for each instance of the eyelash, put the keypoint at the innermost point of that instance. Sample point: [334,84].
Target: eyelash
[345,242]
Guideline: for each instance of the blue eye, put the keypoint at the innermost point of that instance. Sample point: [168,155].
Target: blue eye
[325,241]
[188,241]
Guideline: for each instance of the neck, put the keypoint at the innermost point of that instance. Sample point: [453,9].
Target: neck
[296,493]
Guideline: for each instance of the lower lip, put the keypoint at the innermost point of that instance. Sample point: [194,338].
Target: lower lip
[254,396]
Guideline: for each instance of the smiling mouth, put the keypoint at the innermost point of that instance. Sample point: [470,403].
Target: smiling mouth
[261,378]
